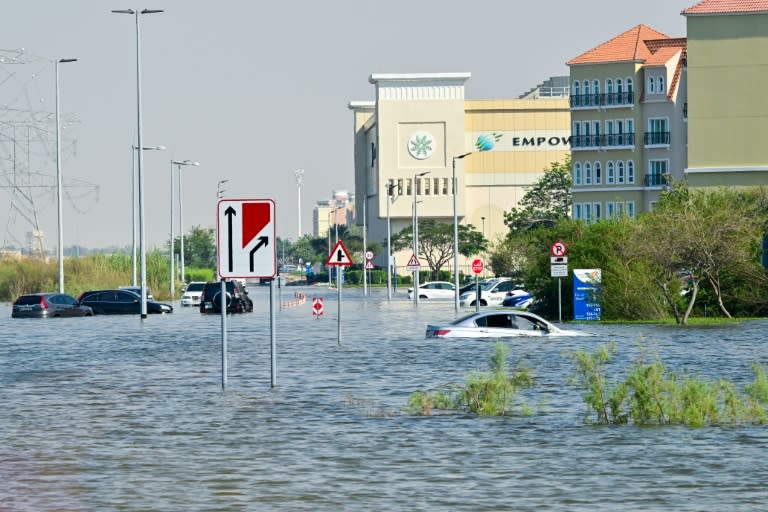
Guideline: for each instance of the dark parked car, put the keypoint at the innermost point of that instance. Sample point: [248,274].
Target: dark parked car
[51,304]
[237,299]
[120,302]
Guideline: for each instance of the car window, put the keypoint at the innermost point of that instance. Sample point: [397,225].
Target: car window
[195,287]
[27,300]
[55,299]
[125,297]
[66,299]
[502,320]
[505,286]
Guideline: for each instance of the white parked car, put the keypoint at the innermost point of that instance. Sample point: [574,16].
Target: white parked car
[499,324]
[492,293]
[192,293]
[434,290]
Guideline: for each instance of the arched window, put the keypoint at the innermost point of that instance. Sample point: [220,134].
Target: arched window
[596,91]
[620,171]
[630,171]
[629,98]
[609,91]
[619,91]
[577,173]
[611,177]
[660,85]
[598,174]
[587,95]
[587,173]
[651,85]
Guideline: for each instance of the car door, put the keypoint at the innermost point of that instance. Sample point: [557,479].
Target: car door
[65,305]
[126,303]
[496,296]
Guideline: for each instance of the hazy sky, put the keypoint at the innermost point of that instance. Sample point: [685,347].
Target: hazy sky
[254,90]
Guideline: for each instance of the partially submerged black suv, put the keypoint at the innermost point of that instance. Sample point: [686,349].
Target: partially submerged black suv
[237,299]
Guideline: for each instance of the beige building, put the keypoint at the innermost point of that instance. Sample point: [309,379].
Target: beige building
[337,211]
[410,140]
[628,120]
[727,108]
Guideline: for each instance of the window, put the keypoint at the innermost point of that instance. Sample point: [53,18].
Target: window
[408,187]
[577,211]
[373,154]
[596,91]
[630,132]
[596,211]
[436,188]
[609,91]
[596,134]
[576,93]
[587,173]
[630,171]
[629,91]
[610,208]
[611,177]
[390,187]
[658,131]
[656,171]
[400,187]
[587,97]
[631,209]
[620,171]
[619,208]
[588,212]
[598,174]
[426,185]
[577,173]
[619,91]
[651,85]
[660,85]
[445,186]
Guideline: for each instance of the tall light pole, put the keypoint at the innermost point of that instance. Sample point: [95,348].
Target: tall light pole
[179,164]
[220,191]
[390,188]
[299,174]
[455,186]
[416,234]
[58,180]
[333,211]
[142,234]
[133,206]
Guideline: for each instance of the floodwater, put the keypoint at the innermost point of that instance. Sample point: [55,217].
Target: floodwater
[115,413]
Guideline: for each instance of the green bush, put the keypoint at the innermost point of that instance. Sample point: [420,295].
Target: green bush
[490,393]
[652,395]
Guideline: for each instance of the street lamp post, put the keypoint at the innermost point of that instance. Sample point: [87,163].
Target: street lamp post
[456,234]
[390,187]
[416,234]
[333,211]
[58,180]
[220,191]
[299,174]
[179,164]
[133,206]
[142,234]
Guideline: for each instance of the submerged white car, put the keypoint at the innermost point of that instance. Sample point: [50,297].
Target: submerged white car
[498,324]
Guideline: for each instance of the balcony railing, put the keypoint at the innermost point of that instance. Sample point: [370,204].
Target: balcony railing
[655,138]
[613,99]
[655,180]
[603,141]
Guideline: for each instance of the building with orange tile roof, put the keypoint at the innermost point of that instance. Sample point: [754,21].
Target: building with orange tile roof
[628,122]
[728,110]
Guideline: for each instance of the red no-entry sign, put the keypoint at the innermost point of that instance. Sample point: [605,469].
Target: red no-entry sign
[477,265]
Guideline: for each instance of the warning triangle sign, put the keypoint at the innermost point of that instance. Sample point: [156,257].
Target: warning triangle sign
[413,262]
[339,255]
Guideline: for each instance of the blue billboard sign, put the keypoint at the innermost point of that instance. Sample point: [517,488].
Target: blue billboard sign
[586,294]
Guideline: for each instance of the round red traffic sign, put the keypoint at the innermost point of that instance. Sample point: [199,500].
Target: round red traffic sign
[477,265]
[558,249]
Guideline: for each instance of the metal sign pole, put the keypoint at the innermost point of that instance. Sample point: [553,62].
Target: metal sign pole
[223,334]
[559,300]
[477,295]
[338,297]
[272,334]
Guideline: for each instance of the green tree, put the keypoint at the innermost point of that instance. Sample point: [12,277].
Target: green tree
[436,242]
[548,201]
[199,247]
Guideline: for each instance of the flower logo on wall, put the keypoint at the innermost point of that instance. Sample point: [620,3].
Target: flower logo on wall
[487,141]
[420,145]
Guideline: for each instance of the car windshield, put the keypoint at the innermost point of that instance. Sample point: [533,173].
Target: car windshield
[460,320]
[487,285]
[195,287]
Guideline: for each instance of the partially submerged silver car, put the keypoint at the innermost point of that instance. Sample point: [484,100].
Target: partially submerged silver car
[498,324]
